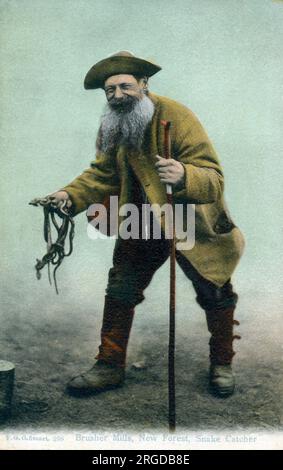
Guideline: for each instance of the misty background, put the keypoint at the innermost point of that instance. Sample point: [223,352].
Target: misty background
[222,59]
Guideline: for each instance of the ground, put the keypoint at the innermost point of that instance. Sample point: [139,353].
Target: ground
[48,353]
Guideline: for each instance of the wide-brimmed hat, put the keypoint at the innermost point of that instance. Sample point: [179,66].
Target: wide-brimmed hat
[122,62]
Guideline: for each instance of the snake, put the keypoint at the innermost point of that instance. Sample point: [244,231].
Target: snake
[56,251]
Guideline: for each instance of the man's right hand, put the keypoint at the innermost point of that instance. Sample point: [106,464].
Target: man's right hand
[59,198]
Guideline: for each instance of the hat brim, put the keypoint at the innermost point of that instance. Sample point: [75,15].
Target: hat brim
[116,65]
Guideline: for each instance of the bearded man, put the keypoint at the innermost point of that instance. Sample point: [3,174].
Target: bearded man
[128,164]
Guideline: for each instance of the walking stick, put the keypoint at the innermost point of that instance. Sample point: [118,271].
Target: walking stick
[171,346]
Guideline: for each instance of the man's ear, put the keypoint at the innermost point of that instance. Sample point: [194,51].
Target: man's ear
[144,81]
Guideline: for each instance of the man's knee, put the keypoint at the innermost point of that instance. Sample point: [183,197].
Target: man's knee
[210,296]
[125,285]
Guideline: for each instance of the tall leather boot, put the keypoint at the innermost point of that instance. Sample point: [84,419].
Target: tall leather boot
[109,370]
[220,324]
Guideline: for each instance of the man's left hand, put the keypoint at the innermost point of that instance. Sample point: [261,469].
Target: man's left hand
[170,171]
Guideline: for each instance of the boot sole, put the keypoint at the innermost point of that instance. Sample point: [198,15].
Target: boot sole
[221,393]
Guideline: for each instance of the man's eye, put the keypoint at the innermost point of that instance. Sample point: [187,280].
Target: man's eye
[126,87]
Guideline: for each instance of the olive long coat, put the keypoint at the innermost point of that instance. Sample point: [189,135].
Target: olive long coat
[218,241]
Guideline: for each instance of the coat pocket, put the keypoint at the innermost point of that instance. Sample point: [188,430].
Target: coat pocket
[223,224]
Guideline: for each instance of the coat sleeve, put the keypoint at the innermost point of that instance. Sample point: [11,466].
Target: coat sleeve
[95,184]
[204,182]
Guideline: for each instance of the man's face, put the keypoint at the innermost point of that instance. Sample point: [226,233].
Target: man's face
[122,91]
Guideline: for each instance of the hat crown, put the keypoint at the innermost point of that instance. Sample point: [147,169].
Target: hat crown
[122,54]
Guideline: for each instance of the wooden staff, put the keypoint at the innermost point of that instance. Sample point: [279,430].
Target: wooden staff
[171,346]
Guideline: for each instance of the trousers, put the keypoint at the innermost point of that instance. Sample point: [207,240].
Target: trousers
[135,262]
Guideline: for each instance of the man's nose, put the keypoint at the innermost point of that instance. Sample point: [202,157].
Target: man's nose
[118,92]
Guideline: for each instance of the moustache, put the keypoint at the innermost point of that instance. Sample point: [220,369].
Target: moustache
[125,103]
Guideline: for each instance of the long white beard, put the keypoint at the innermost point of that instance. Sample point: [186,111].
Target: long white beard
[125,127]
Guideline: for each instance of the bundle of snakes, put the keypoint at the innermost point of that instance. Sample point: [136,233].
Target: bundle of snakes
[58,218]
